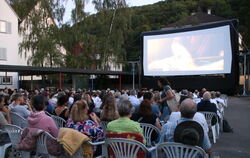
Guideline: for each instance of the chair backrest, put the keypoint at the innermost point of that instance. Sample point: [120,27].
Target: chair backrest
[14,133]
[41,144]
[60,122]
[18,120]
[178,150]
[47,113]
[209,116]
[125,148]
[104,126]
[148,131]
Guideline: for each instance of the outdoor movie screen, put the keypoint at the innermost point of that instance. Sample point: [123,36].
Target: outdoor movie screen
[197,52]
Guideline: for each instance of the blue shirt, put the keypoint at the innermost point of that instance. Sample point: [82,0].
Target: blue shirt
[155,109]
[167,134]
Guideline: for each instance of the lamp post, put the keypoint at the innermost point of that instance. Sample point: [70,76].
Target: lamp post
[133,70]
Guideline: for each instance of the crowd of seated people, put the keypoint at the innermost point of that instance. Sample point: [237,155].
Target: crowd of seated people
[124,110]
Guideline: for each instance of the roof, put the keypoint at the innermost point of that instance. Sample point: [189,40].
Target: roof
[195,19]
[34,70]
[12,10]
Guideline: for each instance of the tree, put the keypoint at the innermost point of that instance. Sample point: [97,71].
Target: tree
[38,30]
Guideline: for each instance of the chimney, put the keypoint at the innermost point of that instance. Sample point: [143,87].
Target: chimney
[209,11]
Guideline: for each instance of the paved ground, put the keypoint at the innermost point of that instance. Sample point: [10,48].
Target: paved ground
[237,144]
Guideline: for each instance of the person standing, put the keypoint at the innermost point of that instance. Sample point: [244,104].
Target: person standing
[166,94]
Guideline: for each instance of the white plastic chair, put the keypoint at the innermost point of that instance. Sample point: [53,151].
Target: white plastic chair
[18,120]
[148,130]
[178,150]
[215,128]
[125,148]
[15,133]
[47,113]
[3,147]
[60,122]
[41,144]
[104,126]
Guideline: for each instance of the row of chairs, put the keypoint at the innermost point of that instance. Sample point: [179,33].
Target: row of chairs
[122,148]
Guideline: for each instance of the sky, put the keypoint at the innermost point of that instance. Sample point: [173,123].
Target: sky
[90,8]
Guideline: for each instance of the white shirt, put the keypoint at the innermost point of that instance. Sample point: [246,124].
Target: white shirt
[134,100]
[199,117]
[97,101]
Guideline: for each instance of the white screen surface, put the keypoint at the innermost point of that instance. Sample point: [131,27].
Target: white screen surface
[199,52]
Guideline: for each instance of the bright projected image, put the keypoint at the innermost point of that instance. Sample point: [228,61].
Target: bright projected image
[198,52]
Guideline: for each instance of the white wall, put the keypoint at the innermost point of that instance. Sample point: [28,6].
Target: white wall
[9,41]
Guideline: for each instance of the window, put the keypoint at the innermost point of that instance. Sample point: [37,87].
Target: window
[5,80]
[3,54]
[5,27]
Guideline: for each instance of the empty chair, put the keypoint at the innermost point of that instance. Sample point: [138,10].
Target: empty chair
[126,148]
[215,128]
[149,131]
[60,122]
[15,133]
[18,120]
[178,150]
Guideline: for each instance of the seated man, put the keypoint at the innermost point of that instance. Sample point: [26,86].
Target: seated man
[199,117]
[206,105]
[18,107]
[124,124]
[188,109]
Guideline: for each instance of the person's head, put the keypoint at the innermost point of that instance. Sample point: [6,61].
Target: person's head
[162,82]
[38,102]
[148,96]
[109,103]
[217,94]
[18,98]
[188,108]
[145,108]
[132,92]
[125,108]
[212,94]
[87,97]
[206,96]
[62,101]
[77,97]
[79,111]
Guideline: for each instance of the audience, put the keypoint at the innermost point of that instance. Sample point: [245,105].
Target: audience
[62,107]
[109,112]
[17,107]
[124,124]
[187,109]
[4,113]
[205,104]
[148,96]
[85,123]
[38,119]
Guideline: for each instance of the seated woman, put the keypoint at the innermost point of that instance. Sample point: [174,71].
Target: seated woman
[145,115]
[80,120]
[38,119]
[109,112]
[61,110]
[4,112]
[124,124]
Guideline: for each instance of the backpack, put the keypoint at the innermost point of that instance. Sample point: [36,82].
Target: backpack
[226,127]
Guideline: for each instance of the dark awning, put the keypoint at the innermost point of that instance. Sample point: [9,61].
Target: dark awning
[34,70]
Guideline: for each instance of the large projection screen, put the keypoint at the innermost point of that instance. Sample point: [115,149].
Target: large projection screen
[197,52]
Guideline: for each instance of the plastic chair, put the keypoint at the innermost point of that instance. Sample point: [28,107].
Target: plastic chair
[41,144]
[125,148]
[3,147]
[104,126]
[60,122]
[148,131]
[18,120]
[15,133]
[47,113]
[215,128]
[178,150]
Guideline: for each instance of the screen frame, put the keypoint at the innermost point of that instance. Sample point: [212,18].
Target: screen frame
[229,23]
